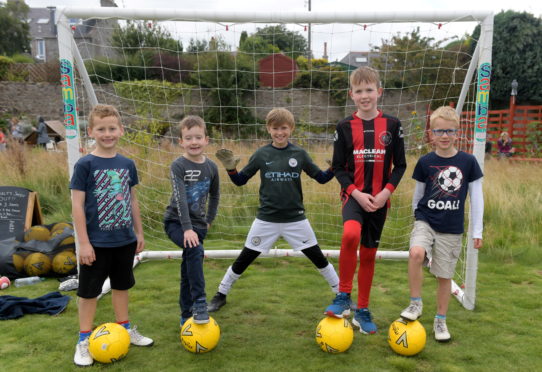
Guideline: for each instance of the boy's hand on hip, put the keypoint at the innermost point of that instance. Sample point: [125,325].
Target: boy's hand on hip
[227,158]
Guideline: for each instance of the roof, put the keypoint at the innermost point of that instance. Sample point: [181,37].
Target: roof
[41,24]
[55,128]
[359,59]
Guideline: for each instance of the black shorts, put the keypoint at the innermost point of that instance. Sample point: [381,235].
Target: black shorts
[116,263]
[372,222]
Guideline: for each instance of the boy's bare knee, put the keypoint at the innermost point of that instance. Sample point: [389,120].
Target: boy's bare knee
[417,254]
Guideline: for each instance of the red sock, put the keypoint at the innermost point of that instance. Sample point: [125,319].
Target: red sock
[125,324]
[348,257]
[365,275]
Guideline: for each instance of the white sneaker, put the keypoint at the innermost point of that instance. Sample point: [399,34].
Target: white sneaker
[138,339]
[413,311]
[82,356]
[441,330]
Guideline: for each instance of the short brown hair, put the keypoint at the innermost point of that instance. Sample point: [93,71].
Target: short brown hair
[278,116]
[101,111]
[446,113]
[366,75]
[190,122]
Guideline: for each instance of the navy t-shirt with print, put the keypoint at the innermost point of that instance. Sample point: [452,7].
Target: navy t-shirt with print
[446,185]
[107,183]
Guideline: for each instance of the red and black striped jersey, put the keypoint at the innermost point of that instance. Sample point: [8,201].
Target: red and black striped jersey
[364,152]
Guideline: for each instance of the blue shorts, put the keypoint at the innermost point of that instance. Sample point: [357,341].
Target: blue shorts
[116,263]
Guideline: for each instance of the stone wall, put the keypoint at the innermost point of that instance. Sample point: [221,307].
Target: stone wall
[316,108]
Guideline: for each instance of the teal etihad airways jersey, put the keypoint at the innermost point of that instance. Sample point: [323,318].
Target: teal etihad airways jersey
[281,196]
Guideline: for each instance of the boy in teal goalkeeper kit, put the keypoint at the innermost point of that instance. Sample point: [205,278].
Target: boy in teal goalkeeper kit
[367,144]
[108,225]
[281,211]
[443,179]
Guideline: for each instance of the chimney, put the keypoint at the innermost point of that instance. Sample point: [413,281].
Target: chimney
[325,56]
[52,22]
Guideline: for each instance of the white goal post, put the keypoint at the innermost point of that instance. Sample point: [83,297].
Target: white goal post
[79,94]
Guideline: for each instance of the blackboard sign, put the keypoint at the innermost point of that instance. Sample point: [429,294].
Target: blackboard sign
[19,210]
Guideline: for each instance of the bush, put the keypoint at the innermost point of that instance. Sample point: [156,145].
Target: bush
[334,80]
[5,66]
[22,58]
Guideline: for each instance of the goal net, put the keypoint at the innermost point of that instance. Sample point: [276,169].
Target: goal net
[232,68]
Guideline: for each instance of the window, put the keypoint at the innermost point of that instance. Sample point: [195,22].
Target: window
[40,49]
[42,21]
[361,59]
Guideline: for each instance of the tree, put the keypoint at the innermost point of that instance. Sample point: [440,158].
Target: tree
[14,32]
[517,54]
[139,35]
[197,46]
[227,79]
[423,66]
[291,43]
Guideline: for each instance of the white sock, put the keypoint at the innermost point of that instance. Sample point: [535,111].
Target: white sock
[227,281]
[330,275]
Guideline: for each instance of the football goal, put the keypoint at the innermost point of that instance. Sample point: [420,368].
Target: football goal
[232,67]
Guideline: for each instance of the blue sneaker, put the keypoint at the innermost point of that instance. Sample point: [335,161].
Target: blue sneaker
[183,320]
[364,320]
[340,307]
[199,312]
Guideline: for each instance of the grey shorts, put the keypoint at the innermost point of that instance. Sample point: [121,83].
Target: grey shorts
[441,250]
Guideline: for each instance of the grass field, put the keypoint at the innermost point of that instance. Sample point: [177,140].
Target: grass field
[272,312]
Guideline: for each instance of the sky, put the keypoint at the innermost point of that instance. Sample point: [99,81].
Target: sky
[340,39]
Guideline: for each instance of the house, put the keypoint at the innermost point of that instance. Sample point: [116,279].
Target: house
[55,130]
[43,33]
[343,66]
[358,59]
[277,70]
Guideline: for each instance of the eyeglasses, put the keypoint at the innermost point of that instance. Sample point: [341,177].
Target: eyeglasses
[440,132]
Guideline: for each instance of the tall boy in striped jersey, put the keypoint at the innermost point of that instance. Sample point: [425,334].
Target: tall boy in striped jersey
[281,212]
[367,144]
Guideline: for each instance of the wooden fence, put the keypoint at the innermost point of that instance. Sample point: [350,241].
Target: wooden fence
[525,119]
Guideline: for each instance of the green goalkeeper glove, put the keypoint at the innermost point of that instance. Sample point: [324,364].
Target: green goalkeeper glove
[228,160]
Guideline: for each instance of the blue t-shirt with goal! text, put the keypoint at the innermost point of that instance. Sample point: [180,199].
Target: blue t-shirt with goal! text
[107,184]
[446,186]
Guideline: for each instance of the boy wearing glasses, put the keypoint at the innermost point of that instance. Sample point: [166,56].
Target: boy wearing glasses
[443,178]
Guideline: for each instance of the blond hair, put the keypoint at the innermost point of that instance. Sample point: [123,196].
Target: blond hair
[190,122]
[445,113]
[365,74]
[279,116]
[102,111]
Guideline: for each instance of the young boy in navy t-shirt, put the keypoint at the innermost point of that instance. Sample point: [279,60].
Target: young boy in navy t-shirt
[108,226]
[443,179]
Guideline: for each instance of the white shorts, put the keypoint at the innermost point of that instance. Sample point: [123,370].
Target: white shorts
[263,235]
[441,250]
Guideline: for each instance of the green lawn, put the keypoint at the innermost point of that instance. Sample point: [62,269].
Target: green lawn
[270,319]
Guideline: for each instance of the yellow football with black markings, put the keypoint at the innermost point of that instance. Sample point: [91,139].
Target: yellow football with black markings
[37,232]
[200,338]
[334,335]
[64,262]
[406,337]
[37,264]
[60,226]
